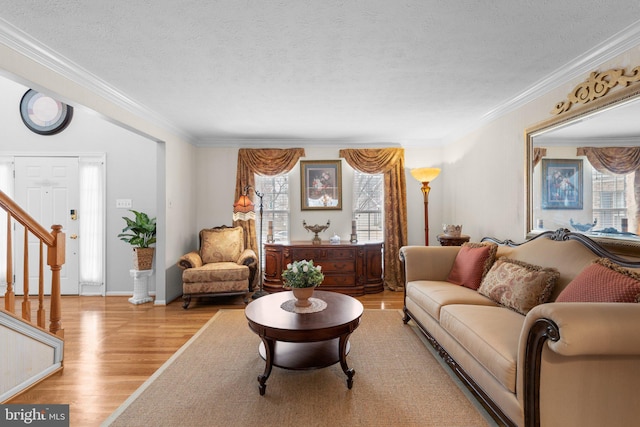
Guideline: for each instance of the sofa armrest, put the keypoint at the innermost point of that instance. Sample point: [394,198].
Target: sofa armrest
[589,351]
[249,258]
[591,329]
[428,262]
[190,260]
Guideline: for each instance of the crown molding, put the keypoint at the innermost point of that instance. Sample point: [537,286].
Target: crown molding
[613,141]
[32,49]
[29,47]
[616,45]
[288,142]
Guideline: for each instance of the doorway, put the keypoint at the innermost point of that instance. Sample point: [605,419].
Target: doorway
[55,190]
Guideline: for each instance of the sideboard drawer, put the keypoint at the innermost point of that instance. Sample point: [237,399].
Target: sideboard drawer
[338,280]
[317,254]
[337,266]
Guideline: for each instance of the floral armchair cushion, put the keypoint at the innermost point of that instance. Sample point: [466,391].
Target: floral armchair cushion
[221,244]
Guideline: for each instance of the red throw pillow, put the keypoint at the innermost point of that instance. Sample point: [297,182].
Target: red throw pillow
[602,281]
[472,263]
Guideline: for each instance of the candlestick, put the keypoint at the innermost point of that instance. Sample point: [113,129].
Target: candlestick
[354,236]
[270,232]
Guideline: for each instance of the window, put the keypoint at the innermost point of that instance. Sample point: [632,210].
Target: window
[609,200]
[368,206]
[275,207]
[91,177]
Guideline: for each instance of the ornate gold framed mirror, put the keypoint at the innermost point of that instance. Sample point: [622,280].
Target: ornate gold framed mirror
[582,167]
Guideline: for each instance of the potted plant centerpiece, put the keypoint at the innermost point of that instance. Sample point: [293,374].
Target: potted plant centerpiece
[302,277]
[140,233]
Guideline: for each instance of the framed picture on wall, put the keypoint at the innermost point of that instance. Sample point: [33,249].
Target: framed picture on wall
[562,184]
[321,185]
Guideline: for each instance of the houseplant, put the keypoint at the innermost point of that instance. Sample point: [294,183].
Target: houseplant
[302,277]
[140,233]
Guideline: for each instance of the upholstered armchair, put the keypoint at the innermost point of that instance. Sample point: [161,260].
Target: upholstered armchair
[222,266]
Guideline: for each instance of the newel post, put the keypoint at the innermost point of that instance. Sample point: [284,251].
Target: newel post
[55,259]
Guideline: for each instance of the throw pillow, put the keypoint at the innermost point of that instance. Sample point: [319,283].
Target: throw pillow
[472,263]
[221,244]
[518,285]
[603,281]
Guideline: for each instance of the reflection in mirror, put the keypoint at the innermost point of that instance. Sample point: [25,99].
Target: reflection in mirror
[583,171]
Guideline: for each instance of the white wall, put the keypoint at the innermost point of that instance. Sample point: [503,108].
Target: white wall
[481,185]
[130,169]
[174,164]
[216,174]
[484,181]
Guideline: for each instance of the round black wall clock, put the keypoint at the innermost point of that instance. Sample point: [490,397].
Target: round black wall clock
[43,114]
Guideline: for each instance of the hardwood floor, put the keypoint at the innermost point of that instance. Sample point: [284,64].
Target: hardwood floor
[112,347]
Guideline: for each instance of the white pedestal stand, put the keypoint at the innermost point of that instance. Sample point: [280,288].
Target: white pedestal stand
[140,286]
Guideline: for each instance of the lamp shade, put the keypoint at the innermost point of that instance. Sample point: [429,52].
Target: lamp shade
[425,174]
[243,209]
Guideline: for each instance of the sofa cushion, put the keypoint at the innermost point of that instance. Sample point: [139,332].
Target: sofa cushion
[603,281]
[489,334]
[472,263]
[195,288]
[518,285]
[221,244]
[432,295]
[216,272]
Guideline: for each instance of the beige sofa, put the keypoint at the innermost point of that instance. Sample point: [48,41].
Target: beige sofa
[561,364]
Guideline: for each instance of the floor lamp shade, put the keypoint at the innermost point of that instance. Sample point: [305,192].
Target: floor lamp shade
[425,175]
[243,209]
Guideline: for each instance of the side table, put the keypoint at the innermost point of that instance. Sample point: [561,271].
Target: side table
[140,286]
[452,241]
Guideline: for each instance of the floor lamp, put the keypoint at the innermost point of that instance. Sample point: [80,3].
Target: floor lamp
[243,210]
[425,175]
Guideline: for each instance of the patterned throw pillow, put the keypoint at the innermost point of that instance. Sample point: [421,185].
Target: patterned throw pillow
[518,285]
[603,281]
[221,244]
[472,263]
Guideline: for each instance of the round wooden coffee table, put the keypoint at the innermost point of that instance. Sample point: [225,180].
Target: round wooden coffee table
[304,340]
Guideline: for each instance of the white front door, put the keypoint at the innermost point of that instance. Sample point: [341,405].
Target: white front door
[47,188]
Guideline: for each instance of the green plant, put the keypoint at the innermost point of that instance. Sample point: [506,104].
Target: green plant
[139,233]
[302,274]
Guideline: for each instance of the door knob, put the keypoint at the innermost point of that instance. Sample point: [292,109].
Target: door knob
[73,236]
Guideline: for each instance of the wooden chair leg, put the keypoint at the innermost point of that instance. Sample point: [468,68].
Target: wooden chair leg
[186,301]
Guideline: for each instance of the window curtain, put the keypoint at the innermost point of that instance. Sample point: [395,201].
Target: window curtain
[618,160]
[261,161]
[91,214]
[390,162]
[6,186]
[538,154]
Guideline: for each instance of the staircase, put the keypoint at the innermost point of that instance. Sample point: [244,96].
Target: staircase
[29,351]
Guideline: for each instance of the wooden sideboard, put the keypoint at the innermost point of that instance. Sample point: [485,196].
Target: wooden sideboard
[353,269]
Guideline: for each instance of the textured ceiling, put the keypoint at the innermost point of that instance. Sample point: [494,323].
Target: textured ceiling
[368,71]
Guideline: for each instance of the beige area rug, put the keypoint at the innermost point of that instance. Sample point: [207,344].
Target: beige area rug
[212,381]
